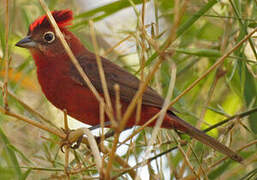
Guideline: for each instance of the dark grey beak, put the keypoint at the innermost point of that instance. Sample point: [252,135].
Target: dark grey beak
[26,43]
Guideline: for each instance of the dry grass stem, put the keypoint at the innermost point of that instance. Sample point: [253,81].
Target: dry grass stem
[224,158]
[112,107]
[108,51]
[143,86]
[187,160]
[51,130]
[117,102]
[218,62]
[165,106]
[123,163]
[65,120]
[94,148]
[6,56]
[102,134]
[112,154]
[233,172]
[27,107]
[101,72]
[74,136]
[199,122]
[67,147]
[162,112]
[141,128]
[201,169]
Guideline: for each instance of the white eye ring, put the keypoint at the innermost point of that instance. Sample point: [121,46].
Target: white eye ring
[49,37]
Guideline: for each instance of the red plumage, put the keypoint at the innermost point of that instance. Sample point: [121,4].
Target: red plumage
[64,88]
[62,18]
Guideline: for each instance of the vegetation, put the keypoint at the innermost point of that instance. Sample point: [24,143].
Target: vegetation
[202,46]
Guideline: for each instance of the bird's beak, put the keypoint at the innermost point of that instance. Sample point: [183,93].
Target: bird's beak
[27,42]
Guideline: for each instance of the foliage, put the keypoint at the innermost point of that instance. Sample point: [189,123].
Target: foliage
[207,30]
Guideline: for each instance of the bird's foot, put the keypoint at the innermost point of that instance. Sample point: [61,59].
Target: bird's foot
[73,138]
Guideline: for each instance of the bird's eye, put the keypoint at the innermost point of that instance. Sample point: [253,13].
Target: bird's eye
[49,37]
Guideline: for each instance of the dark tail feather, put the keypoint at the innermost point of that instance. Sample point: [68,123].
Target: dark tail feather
[183,126]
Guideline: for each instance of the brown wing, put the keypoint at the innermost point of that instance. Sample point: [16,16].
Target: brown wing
[114,75]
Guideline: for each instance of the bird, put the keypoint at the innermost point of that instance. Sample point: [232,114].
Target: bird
[63,86]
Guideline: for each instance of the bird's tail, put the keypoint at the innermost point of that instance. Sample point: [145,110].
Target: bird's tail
[183,126]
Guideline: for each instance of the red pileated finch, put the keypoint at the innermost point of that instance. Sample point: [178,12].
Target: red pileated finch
[64,87]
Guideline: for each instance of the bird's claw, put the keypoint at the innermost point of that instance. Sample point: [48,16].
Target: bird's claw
[70,141]
[76,144]
[74,138]
[65,142]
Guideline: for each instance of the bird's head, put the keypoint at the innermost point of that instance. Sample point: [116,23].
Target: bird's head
[41,36]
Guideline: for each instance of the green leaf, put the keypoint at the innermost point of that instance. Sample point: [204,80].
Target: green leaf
[200,52]
[19,152]
[252,25]
[221,169]
[250,94]
[11,155]
[26,174]
[184,27]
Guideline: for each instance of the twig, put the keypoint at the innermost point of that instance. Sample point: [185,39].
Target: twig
[94,148]
[6,56]
[101,111]
[206,130]
[165,106]
[108,51]
[199,122]
[198,161]
[251,160]
[117,102]
[101,73]
[27,107]
[67,147]
[143,86]
[226,157]
[112,153]
[55,131]
[218,62]
[187,160]
[240,115]
[116,135]
[118,117]
[163,111]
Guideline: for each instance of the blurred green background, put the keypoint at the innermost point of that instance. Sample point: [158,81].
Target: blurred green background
[208,29]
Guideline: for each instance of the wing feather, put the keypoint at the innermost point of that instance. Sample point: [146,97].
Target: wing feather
[114,74]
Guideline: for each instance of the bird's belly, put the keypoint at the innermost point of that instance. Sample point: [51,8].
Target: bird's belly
[83,106]
[79,102]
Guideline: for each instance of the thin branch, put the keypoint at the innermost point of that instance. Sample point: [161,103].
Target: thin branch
[108,51]
[218,62]
[251,159]
[240,115]
[94,148]
[27,107]
[67,147]
[101,73]
[6,56]
[163,111]
[51,130]
[118,117]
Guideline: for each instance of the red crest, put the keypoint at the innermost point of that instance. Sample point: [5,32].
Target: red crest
[62,18]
